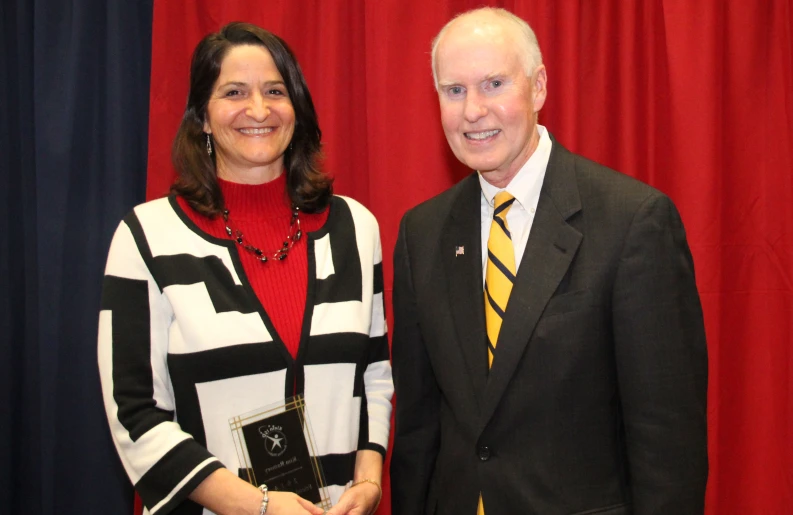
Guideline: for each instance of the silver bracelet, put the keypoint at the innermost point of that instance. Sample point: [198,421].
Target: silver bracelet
[265,499]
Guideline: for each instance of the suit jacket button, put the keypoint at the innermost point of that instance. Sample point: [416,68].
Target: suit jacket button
[484,452]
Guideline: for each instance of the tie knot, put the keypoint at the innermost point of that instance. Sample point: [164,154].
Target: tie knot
[502,202]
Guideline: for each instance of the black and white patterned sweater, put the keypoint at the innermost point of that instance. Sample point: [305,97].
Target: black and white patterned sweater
[184,345]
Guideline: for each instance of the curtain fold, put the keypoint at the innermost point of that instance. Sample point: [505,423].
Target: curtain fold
[74,97]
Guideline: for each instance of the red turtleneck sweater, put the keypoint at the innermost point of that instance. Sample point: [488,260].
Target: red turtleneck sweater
[263,212]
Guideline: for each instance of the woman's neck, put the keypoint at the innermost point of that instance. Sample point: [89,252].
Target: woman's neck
[252,175]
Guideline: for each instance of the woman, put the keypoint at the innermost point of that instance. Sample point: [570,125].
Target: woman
[251,283]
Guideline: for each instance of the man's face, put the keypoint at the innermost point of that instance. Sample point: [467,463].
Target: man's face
[488,104]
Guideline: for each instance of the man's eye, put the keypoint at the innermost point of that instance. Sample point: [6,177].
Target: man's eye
[496,83]
[455,90]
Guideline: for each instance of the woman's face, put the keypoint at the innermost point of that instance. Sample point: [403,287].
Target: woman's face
[250,117]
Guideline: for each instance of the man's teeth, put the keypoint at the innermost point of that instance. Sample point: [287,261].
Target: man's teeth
[263,130]
[481,135]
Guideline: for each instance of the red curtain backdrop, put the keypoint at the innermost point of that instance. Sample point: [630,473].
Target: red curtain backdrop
[695,98]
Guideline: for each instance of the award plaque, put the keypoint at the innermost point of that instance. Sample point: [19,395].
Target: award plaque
[276,447]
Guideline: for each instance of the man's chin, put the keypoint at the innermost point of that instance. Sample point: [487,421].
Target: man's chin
[484,167]
[476,162]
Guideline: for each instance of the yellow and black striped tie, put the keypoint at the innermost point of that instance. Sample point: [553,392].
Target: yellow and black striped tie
[500,273]
[499,278]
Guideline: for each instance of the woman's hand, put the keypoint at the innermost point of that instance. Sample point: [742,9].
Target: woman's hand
[287,503]
[360,499]
[226,494]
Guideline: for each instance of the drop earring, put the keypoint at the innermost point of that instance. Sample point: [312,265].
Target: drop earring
[209,145]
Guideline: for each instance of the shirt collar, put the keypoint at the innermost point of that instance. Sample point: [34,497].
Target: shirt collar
[526,184]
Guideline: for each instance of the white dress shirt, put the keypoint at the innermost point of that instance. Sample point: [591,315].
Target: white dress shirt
[525,187]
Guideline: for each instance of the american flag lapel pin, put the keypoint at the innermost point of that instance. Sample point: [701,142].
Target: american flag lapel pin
[459,250]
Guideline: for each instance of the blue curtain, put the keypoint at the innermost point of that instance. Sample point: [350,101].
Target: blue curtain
[74,89]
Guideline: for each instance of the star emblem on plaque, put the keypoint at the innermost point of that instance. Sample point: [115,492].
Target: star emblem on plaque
[274,440]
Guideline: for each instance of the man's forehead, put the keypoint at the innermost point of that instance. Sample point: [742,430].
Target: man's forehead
[475,57]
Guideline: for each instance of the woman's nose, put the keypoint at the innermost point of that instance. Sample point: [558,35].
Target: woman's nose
[258,107]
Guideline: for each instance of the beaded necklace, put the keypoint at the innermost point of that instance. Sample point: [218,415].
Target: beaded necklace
[279,255]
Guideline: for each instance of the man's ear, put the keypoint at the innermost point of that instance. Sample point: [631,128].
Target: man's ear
[539,86]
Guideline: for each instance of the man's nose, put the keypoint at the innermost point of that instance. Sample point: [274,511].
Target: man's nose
[258,107]
[475,107]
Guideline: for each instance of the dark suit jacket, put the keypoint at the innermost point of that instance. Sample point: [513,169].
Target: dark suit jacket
[596,401]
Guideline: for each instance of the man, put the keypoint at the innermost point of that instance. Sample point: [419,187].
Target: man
[549,351]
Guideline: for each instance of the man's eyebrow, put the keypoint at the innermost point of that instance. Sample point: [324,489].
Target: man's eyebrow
[486,78]
[491,76]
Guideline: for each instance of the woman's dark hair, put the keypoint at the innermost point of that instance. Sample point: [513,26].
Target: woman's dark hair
[309,189]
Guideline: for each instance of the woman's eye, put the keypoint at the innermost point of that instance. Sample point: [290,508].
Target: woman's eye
[496,83]
[232,93]
[276,92]
[455,90]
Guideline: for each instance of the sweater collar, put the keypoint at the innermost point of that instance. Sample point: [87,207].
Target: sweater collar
[256,201]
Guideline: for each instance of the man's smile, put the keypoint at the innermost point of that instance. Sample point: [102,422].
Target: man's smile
[481,135]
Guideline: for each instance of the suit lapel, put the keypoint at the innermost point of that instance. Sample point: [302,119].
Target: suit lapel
[550,249]
[461,251]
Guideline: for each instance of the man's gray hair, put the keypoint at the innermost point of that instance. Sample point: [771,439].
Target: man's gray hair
[529,48]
